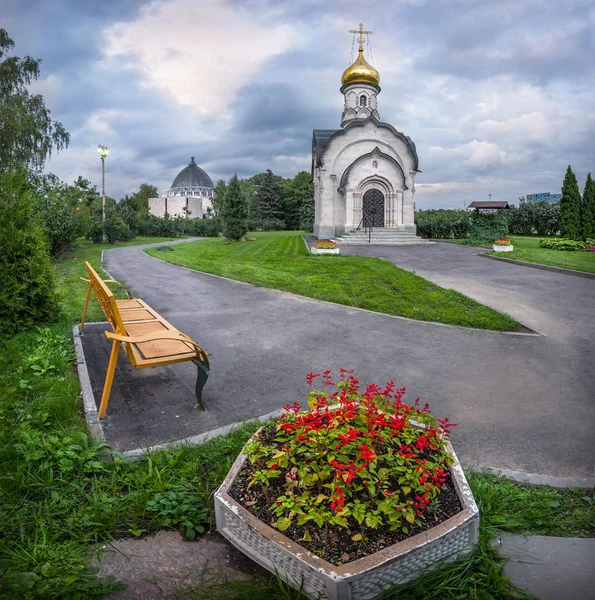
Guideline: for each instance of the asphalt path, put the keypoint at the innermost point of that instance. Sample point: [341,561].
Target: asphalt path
[524,403]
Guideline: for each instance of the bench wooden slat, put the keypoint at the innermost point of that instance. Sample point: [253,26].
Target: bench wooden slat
[126,304]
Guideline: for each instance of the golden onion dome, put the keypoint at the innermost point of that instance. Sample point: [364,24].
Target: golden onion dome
[360,71]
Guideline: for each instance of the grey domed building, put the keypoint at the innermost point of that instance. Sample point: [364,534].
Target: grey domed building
[190,195]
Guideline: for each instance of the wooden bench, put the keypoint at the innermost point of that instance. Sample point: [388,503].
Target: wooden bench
[148,339]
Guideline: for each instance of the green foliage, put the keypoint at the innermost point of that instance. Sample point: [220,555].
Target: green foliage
[116,230]
[346,467]
[125,210]
[443,224]
[234,212]
[268,200]
[217,199]
[588,209]
[270,225]
[140,200]
[564,244]
[62,212]
[540,217]
[297,193]
[28,133]
[62,493]
[487,227]
[52,355]
[546,217]
[209,227]
[27,293]
[531,510]
[95,231]
[179,509]
[570,207]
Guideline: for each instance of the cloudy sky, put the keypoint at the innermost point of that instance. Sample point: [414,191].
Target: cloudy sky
[499,96]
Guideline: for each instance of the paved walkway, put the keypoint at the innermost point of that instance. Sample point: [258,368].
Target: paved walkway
[522,403]
[158,565]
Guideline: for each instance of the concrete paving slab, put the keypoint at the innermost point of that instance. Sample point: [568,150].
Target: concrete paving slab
[162,564]
[522,403]
[550,568]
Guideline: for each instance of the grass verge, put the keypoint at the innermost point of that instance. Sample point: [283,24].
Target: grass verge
[528,250]
[280,260]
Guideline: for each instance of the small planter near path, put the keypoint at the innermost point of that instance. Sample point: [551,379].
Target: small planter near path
[290,543]
[325,247]
[502,245]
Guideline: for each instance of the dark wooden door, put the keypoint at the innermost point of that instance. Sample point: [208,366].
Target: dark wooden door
[373,205]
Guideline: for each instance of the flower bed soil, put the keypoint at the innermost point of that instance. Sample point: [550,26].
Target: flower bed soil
[339,547]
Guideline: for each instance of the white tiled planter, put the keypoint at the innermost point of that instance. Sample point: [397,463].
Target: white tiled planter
[361,579]
[497,248]
[324,250]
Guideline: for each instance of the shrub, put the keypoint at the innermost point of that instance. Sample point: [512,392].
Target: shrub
[27,292]
[486,227]
[153,226]
[563,244]
[355,461]
[205,227]
[443,224]
[268,225]
[116,230]
[95,232]
[62,214]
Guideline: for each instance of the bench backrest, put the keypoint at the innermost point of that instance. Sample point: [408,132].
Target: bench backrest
[106,300]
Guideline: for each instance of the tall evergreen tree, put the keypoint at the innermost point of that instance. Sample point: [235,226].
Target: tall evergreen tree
[296,191]
[570,207]
[588,212]
[27,292]
[234,211]
[269,199]
[219,195]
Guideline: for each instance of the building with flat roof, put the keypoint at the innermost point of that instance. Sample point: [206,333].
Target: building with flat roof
[547,196]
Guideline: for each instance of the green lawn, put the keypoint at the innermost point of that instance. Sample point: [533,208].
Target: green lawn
[281,261]
[71,267]
[527,248]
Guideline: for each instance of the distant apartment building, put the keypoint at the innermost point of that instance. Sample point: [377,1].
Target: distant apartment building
[547,196]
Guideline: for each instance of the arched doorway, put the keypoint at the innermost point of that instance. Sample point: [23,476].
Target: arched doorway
[373,208]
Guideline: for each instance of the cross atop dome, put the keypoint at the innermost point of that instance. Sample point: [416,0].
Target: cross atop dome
[361,39]
[360,71]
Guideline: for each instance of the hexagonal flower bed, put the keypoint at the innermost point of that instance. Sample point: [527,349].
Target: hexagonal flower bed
[502,245]
[325,247]
[358,493]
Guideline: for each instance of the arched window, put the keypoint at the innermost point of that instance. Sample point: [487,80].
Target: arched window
[362,101]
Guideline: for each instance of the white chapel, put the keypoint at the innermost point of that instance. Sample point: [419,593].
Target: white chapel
[363,173]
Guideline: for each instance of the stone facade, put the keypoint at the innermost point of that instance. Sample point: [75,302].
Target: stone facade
[366,169]
[178,206]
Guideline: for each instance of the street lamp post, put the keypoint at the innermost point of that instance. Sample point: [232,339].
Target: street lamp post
[103,150]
